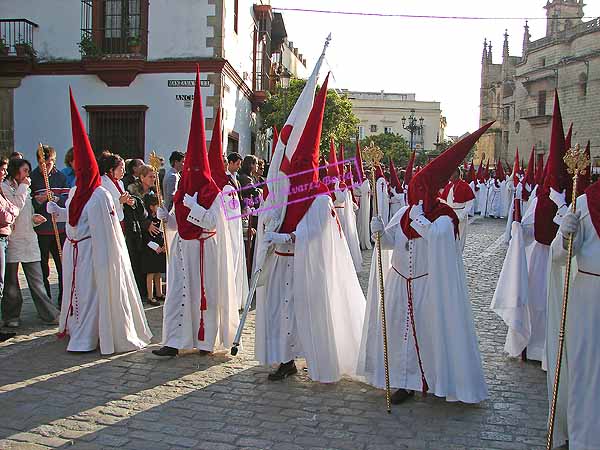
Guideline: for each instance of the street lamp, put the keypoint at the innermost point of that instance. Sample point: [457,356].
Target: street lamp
[412,126]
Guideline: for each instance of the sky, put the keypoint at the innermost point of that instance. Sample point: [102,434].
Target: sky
[438,60]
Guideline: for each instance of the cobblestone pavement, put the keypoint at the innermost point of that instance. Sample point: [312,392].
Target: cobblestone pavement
[53,399]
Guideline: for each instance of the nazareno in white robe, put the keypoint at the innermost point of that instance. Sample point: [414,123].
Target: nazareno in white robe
[578,409]
[311,305]
[107,308]
[496,206]
[363,218]
[462,210]
[181,313]
[524,312]
[442,312]
[345,208]
[383,200]
[397,201]
[231,207]
[481,196]
[108,184]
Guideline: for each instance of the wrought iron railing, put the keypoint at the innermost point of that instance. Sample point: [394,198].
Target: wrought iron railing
[112,28]
[17,37]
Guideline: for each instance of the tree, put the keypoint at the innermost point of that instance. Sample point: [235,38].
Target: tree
[393,146]
[338,120]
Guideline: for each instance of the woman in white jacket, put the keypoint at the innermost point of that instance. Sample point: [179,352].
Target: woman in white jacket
[23,248]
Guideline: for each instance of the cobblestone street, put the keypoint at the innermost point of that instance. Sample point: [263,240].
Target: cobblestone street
[52,399]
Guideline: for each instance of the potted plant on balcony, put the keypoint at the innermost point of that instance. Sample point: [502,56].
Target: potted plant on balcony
[4,47]
[24,48]
[134,43]
[88,48]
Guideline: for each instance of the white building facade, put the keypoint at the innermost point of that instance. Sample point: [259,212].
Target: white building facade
[133,78]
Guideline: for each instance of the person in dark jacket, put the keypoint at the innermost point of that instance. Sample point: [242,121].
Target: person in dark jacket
[45,232]
[154,261]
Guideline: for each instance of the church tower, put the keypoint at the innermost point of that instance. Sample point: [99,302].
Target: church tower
[562,15]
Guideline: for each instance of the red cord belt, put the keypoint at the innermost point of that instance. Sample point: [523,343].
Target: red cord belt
[202,239]
[411,312]
[75,244]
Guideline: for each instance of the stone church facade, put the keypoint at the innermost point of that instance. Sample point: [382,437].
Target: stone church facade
[519,92]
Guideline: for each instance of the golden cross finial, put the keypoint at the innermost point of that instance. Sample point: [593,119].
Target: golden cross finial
[155,161]
[372,155]
[577,161]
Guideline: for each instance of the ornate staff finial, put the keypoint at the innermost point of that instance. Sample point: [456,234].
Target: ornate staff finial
[155,161]
[577,161]
[372,155]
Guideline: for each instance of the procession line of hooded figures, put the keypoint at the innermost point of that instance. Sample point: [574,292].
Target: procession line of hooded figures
[309,303]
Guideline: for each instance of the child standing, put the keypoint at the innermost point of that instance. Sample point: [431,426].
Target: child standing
[154,262]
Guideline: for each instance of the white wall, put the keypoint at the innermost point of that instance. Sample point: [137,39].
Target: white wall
[239,46]
[236,110]
[59,25]
[41,109]
[178,29]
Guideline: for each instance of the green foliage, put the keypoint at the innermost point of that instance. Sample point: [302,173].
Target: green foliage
[393,146]
[87,47]
[338,120]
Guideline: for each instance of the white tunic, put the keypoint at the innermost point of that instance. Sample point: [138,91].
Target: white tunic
[346,211]
[363,218]
[397,201]
[383,200]
[462,210]
[181,315]
[443,318]
[23,242]
[311,304]
[108,184]
[496,206]
[578,409]
[106,303]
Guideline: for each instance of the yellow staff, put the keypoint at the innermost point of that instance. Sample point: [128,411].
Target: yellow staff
[49,195]
[372,156]
[155,163]
[577,162]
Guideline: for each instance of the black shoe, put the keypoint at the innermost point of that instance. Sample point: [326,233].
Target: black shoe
[151,301]
[6,336]
[284,371]
[166,351]
[401,395]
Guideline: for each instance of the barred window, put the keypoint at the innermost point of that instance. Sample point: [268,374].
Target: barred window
[120,129]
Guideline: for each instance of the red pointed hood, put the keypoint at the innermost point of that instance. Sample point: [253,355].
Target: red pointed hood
[196,176]
[530,174]
[410,167]
[342,156]
[394,181]
[360,174]
[215,154]
[479,175]
[539,170]
[556,173]
[486,173]
[472,177]
[516,169]
[303,167]
[585,180]
[500,175]
[379,172]
[426,184]
[87,175]
[334,170]
[569,137]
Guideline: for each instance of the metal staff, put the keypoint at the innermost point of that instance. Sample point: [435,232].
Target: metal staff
[247,306]
[49,196]
[372,156]
[155,163]
[577,162]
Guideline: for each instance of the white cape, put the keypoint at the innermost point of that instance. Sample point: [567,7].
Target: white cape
[383,200]
[328,306]
[443,320]
[347,216]
[106,302]
[363,218]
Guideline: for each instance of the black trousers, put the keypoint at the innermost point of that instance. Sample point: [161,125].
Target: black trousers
[48,247]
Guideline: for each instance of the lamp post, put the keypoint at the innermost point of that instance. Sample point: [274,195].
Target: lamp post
[412,127]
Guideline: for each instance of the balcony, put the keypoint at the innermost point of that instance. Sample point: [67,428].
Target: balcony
[17,51]
[535,115]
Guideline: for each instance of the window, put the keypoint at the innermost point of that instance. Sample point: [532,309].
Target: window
[373,128]
[114,27]
[120,129]
[235,15]
[361,132]
[541,103]
[388,130]
[233,143]
[583,83]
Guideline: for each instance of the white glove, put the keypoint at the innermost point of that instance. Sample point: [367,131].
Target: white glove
[519,192]
[162,213]
[377,225]
[559,198]
[416,210]
[190,201]
[570,224]
[52,208]
[271,238]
